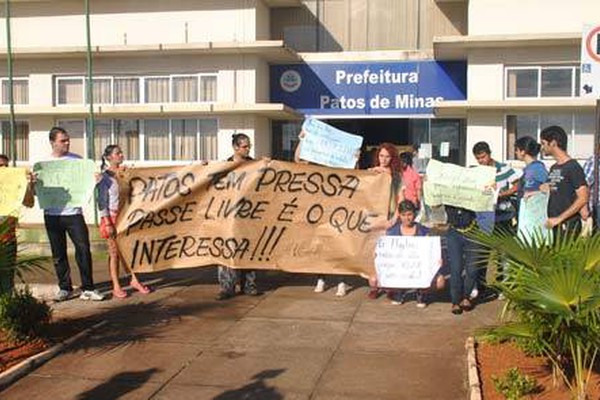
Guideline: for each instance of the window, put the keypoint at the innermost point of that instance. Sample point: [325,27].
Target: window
[127,90]
[208,88]
[20,91]
[156,133]
[21,140]
[522,83]
[127,136]
[156,90]
[69,90]
[102,136]
[579,128]
[535,82]
[208,129]
[185,138]
[185,89]
[101,89]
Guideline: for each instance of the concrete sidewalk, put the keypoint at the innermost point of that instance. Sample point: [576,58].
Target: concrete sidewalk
[290,343]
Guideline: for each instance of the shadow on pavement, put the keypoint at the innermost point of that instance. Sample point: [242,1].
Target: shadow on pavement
[256,390]
[118,385]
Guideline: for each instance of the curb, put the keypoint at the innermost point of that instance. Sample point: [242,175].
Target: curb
[26,366]
[472,372]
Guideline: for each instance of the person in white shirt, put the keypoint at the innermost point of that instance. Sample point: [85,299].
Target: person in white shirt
[69,220]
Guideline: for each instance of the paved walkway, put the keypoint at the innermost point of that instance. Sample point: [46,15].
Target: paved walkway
[290,343]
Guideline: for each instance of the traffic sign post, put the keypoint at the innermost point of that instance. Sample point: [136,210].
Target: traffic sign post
[590,87]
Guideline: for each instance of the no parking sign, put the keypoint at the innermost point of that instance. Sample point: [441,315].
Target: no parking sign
[590,62]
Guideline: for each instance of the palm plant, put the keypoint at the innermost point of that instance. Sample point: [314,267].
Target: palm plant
[552,289]
[13,264]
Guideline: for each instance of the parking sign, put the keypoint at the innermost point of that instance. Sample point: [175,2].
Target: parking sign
[590,62]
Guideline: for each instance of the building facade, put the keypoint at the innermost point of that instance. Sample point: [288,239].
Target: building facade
[173,80]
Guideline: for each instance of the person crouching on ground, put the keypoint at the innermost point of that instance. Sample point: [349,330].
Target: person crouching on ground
[108,203]
[406,226]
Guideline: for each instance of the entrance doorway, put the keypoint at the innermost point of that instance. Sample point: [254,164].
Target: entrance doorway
[446,136]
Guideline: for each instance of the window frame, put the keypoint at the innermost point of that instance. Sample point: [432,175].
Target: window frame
[141,88]
[142,137]
[539,69]
[8,151]
[15,79]
[571,136]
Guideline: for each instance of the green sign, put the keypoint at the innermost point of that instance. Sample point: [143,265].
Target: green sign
[470,188]
[64,183]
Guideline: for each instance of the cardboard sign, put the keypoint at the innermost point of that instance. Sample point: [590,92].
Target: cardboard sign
[407,261]
[256,214]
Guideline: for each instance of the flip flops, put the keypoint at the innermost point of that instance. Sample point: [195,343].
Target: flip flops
[140,288]
[119,293]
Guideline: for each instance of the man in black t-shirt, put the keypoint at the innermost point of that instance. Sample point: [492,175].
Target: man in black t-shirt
[566,182]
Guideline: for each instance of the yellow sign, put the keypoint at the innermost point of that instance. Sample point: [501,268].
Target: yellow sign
[13,184]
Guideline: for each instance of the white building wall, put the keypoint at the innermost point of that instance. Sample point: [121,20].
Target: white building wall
[508,17]
[488,127]
[115,22]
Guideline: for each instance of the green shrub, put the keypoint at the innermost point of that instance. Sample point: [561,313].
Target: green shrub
[514,385]
[22,316]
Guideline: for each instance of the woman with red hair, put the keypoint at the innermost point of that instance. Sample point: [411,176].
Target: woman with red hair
[387,162]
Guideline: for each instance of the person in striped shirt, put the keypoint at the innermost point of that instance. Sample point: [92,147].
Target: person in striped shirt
[502,218]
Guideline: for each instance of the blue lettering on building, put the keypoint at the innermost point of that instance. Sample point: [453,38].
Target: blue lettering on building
[360,88]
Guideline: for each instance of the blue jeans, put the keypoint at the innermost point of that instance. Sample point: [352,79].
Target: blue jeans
[461,257]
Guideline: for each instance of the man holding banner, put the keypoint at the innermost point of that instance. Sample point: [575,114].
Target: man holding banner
[227,276]
[61,218]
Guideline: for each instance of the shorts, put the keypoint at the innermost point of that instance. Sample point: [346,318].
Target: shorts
[105,222]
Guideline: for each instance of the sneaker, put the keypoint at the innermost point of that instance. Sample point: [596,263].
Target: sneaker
[224,295]
[341,290]
[91,295]
[474,294]
[320,287]
[398,299]
[421,300]
[252,292]
[62,295]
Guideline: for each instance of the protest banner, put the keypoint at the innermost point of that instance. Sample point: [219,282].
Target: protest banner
[469,188]
[258,214]
[64,183]
[533,216]
[13,184]
[407,261]
[325,145]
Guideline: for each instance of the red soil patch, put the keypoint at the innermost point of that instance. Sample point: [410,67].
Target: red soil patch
[12,353]
[496,359]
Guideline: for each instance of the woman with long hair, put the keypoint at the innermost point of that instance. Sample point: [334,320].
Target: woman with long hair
[108,203]
[387,162]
